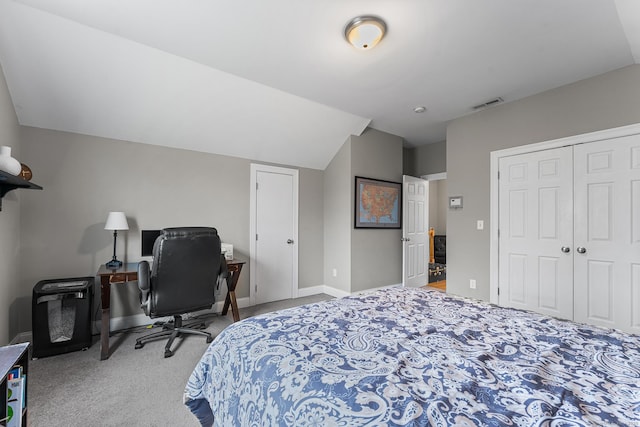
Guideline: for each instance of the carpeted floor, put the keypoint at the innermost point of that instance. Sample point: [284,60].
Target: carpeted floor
[131,388]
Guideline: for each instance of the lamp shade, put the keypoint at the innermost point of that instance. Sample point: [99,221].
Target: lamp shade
[116,221]
[364,32]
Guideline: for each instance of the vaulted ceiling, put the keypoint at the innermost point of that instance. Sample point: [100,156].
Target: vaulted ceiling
[276,81]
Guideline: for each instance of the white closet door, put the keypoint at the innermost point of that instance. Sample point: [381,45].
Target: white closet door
[274,267]
[607,233]
[536,232]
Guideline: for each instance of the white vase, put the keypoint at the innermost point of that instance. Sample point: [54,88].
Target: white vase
[7,163]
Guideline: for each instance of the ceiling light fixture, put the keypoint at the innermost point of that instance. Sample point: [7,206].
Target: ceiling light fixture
[364,32]
[420,109]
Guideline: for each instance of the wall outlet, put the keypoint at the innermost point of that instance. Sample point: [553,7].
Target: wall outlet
[334,272]
[472,283]
[480,225]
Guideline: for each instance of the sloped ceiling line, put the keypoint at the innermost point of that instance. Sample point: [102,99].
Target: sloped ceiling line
[276,81]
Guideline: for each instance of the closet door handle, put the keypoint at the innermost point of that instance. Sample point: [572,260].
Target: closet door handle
[581,250]
[565,249]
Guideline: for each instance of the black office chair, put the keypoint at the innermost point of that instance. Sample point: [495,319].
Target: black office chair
[187,265]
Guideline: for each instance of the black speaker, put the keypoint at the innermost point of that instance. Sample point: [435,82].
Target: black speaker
[61,315]
[440,249]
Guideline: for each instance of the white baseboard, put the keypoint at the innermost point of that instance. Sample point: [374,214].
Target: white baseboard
[322,289]
[22,337]
[368,291]
[141,319]
[311,290]
[338,293]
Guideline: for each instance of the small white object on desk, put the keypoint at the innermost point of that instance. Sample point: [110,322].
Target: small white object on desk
[227,251]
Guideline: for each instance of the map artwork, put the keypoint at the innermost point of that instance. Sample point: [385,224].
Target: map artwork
[378,204]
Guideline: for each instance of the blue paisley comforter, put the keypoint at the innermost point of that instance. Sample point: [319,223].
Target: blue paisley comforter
[417,357]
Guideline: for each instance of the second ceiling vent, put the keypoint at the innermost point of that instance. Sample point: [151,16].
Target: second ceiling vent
[490,103]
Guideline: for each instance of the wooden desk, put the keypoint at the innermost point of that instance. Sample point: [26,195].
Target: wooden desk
[235,267]
[126,273]
[129,273]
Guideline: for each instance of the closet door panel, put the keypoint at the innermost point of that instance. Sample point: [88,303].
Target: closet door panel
[600,291]
[607,232]
[635,298]
[535,195]
[549,284]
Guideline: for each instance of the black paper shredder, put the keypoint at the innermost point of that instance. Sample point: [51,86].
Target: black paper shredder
[61,315]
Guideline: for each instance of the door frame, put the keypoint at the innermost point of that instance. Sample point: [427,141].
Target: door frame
[494,207]
[255,168]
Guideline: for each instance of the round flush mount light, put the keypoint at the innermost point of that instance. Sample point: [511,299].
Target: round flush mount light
[420,109]
[364,32]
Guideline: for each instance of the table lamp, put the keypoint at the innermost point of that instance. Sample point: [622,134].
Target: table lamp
[115,221]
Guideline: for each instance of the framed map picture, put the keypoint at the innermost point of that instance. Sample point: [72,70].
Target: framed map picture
[378,203]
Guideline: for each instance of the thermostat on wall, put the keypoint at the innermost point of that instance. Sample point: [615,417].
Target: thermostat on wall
[455,202]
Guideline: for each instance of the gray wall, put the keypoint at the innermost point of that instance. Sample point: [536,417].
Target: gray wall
[438,201]
[9,224]
[376,256]
[337,220]
[426,159]
[602,102]
[310,228]
[85,177]
[362,258]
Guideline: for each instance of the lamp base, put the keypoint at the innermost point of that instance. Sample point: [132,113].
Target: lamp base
[114,263]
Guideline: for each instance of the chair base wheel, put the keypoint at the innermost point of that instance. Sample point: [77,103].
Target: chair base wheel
[173,330]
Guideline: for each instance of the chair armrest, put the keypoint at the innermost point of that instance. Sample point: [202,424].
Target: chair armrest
[144,284]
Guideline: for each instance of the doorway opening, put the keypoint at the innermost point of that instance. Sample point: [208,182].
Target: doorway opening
[438,202]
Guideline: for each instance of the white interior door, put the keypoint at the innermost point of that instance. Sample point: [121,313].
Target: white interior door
[607,231]
[536,232]
[415,233]
[274,260]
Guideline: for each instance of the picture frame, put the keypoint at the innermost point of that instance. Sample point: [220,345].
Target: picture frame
[378,203]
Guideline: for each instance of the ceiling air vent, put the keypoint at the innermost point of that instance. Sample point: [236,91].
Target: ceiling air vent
[491,103]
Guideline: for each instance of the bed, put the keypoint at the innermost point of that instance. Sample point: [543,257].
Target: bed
[405,356]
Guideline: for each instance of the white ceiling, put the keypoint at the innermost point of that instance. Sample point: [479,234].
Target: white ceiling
[276,81]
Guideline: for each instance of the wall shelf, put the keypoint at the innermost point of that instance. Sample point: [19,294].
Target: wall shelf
[10,182]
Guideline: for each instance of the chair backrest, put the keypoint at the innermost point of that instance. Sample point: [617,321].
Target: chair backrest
[186,264]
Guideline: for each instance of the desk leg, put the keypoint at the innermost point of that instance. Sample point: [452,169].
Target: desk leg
[105,292]
[227,303]
[230,299]
[234,306]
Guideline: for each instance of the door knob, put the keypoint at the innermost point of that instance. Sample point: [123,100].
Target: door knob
[581,250]
[289,242]
[565,249]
